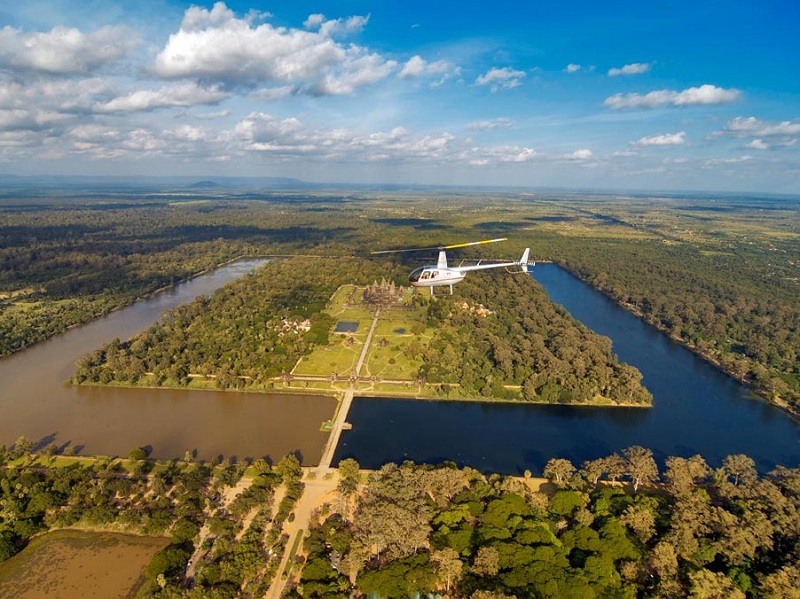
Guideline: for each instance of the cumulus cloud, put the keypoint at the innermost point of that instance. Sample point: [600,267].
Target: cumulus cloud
[290,139]
[498,123]
[314,21]
[581,154]
[705,94]
[753,127]
[667,139]
[185,94]
[572,68]
[419,67]
[357,71]
[48,105]
[505,77]
[217,46]
[757,144]
[64,50]
[522,155]
[636,68]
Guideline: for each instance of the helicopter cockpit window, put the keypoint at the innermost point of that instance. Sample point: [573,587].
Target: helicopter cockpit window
[426,275]
[415,274]
[434,274]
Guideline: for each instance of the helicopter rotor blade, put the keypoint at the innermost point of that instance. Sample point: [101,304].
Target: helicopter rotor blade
[441,247]
[463,245]
[438,247]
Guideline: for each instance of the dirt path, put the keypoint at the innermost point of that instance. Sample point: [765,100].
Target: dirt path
[314,494]
[228,495]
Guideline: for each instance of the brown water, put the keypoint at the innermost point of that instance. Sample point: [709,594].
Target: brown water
[71,564]
[35,402]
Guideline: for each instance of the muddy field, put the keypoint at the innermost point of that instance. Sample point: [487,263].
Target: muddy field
[71,564]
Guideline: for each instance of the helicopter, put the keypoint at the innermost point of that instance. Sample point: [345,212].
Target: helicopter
[442,275]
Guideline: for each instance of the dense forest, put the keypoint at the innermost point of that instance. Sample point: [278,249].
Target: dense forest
[702,533]
[243,335]
[718,274]
[614,527]
[63,263]
[524,340]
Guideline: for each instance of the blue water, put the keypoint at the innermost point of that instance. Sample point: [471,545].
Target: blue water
[697,410]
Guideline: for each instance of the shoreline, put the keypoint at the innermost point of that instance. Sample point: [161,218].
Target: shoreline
[336,394]
[792,411]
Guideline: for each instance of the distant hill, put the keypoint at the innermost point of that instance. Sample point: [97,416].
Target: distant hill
[205,185]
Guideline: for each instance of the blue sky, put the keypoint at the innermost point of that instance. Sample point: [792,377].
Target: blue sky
[674,95]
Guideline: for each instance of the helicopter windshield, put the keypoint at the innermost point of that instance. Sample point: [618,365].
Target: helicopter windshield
[415,274]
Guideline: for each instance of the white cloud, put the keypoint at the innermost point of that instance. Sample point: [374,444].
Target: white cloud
[290,139]
[185,94]
[723,161]
[505,77]
[581,154]
[354,73]
[314,21]
[419,67]
[667,139]
[636,68]
[216,46]
[757,144]
[48,105]
[572,68]
[520,156]
[346,26]
[705,94]
[498,123]
[753,127]
[211,116]
[63,50]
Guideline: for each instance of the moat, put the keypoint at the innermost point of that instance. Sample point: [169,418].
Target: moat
[696,408]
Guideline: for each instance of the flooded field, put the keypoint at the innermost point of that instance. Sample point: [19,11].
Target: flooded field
[67,564]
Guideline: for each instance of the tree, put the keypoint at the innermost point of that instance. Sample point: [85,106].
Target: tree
[783,584]
[137,453]
[487,561]
[684,474]
[641,466]
[741,468]
[449,566]
[349,476]
[706,584]
[614,466]
[593,470]
[641,521]
[558,470]
[23,446]
[664,560]
[288,468]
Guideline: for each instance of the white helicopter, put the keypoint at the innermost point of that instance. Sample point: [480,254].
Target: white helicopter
[444,275]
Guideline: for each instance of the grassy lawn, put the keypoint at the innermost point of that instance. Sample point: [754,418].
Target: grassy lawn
[337,356]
